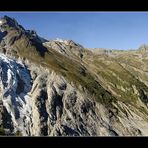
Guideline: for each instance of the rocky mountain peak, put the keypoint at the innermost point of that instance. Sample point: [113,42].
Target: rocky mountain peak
[11,32]
[8,24]
[72,43]
[59,88]
[67,42]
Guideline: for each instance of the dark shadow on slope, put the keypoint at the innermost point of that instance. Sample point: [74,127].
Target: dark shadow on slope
[7,121]
[20,87]
[39,47]
[69,132]
[41,105]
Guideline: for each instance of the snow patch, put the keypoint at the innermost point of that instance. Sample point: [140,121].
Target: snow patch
[1,22]
[59,40]
[15,83]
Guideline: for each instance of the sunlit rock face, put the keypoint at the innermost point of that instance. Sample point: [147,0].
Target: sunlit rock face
[60,88]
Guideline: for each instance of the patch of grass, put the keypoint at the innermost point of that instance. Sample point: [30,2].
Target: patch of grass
[72,70]
[69,68]
[18,133]
[115,75]
[2,131]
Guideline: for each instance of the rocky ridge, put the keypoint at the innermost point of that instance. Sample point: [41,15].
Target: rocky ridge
[59,88]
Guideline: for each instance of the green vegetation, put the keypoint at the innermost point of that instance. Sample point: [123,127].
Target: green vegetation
[18,133]
[2,131]
[109,69]
[119,79]
[67,67]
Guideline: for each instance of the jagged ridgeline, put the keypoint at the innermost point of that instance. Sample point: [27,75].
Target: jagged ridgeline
[27,45]
[60,88]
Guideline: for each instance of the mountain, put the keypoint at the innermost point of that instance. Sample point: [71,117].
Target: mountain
[60,88]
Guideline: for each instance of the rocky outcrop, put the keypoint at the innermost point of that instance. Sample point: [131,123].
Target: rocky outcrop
[66,47]
[61,109]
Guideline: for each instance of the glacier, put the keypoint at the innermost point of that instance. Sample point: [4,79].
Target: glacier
[15,83]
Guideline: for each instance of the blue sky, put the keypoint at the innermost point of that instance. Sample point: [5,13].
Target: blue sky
[114,30]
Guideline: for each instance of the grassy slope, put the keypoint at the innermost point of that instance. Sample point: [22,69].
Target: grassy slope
[108,68]
[120,79]
[67,67]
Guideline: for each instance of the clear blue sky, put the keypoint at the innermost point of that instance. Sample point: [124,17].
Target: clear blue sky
[114,30]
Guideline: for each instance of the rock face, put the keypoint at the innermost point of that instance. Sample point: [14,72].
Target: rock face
[58,88]
[66,47]
[15,83]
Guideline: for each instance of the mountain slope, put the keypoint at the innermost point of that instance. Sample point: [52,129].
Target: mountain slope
[59,88]
[15,84]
